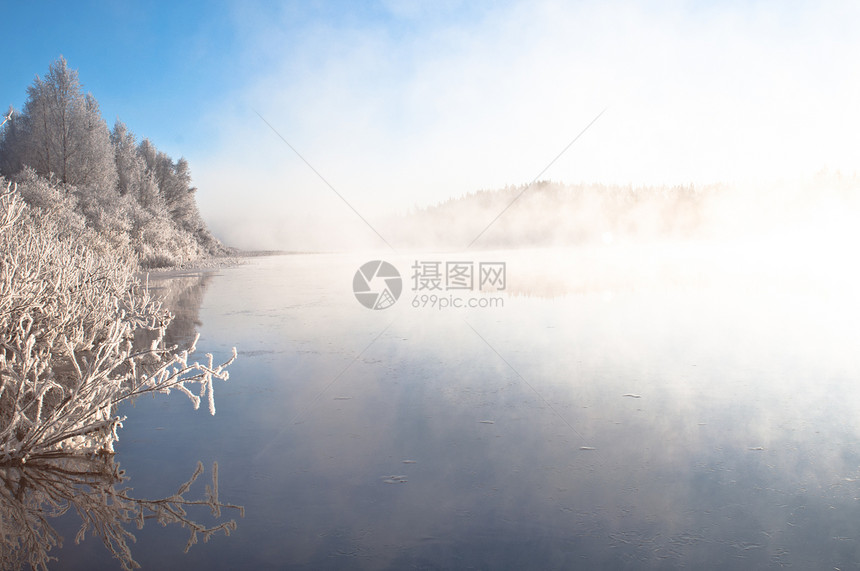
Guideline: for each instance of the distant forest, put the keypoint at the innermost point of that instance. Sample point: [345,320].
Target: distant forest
[554,214]
[548,213]
[122,195]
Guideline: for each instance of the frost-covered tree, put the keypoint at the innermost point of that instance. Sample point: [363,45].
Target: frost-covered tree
[10,142]
[133,195]
[180,198]
[177,194]
[95,166]
[174,183]
[134,178]
[62,132]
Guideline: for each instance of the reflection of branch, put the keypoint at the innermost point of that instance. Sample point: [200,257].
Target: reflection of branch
[44,488]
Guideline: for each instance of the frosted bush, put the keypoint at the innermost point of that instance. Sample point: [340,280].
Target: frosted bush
[70,310]
[53,200]
[154,260]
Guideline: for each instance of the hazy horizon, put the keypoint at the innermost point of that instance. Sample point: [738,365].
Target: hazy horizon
[399,105]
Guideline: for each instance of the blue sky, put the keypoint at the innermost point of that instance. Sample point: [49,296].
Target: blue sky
[145,66]
[407,103]
[157,66]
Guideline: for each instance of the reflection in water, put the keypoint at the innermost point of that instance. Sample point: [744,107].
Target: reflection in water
[34,493]
[182,295]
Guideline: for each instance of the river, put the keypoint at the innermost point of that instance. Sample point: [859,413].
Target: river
[617,409]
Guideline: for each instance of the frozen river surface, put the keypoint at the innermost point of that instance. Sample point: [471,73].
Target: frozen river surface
[634,415]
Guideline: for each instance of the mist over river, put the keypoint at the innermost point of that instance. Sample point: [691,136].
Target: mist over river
[648,407]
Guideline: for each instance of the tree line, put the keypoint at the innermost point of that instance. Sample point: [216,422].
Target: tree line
[547,213]
[65,160]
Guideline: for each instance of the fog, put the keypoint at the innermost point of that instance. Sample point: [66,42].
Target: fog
[419,106]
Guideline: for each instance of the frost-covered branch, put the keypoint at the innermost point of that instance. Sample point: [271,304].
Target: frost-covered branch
[72,326]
